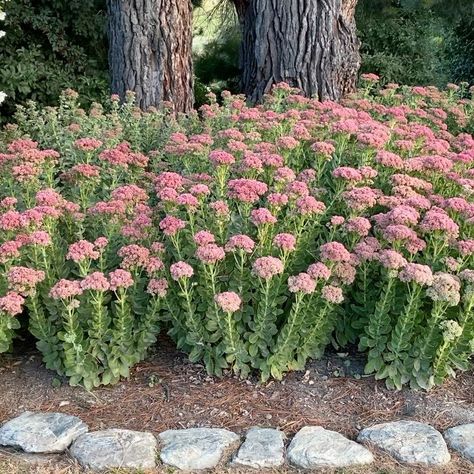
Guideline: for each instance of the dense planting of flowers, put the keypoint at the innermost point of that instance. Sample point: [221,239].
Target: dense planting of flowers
[253,236]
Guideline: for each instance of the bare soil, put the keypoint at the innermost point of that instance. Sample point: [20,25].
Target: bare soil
[167,391]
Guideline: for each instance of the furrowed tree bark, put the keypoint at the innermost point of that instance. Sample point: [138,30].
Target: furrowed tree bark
[310,44]
[150,51]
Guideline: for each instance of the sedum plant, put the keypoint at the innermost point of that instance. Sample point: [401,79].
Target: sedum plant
[254,237]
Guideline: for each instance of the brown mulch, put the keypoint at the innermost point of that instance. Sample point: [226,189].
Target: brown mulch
[167,391]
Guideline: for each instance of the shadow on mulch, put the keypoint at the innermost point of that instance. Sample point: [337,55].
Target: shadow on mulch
[167,391]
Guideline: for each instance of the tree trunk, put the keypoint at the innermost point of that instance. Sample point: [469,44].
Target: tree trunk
[150,51]
[310,44]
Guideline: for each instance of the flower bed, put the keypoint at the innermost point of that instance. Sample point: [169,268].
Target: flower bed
[254,236]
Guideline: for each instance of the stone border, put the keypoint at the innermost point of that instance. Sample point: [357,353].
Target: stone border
[194,449]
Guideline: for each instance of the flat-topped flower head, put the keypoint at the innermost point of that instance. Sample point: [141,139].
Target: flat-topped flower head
[285,242]
[120,279]
[221,157]
[221,208]
[332,294]
[82,250]
[96,281]
[319,271]
[445,288]
[133,256]
[23,279]
[12,303]
[416,273]
[246,190]
[210,254]
[391,260]
[158,287]
[308,205]
[301,283]
[180,270]
[262,216]
[65,289]
[203,237]
[334,252]
[228,301]
[240,242]
[171,225]
[267,267]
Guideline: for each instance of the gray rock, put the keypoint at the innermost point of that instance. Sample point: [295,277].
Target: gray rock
[195,448]
[263,448]
[408,441]
[115,448]
[41,432]
[314,447]
[461,438]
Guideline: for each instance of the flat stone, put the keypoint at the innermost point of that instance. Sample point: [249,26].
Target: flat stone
[41,432]
[314,447]
[263,448]
[195,448]
[410,442]
[115,448]
[461,439]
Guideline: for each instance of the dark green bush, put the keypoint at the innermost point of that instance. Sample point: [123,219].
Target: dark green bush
[52,45]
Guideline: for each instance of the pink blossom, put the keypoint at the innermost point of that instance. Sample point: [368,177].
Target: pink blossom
[284,175]
[267,267]
[319,271]
[394,233]
[23,279]
[332,294]
[130,194]
[287,143]
[335,252]
[414,272]
[285,242]
[133,256]
[465,247]
[40,237]
[347,173]
[9,250]
[344,272]
[96,281]
[301,283]
[199,190]
[220,208]
[228,301]
[181,270]
[87,144]
[65,289]
[391,260]
[359,199]
[120,279]
[277,199]
[12,303]
[168,180]
[101,242]
[240,242]
[297,189]
[246,190]
[187,200]
[337,220]
[438,220]
[262,216]
[220,157]
[204,237]
[171,225]
[323,148]
[210,254]
[308,205]
[359,225]
[82,250]
[157,287]
[367,249]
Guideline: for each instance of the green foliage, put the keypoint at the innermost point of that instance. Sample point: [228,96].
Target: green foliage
[51,45]
[417,42]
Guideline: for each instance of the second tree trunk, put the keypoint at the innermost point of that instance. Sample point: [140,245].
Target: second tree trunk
[310,44]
